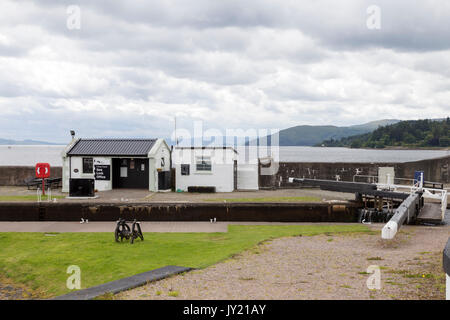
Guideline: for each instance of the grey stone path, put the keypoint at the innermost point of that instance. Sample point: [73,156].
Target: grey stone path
[156,226]
[53,226]
[123,284]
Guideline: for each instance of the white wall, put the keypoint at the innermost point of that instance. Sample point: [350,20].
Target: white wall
[160,150]
[384,173]
[76,163]
[222,169]
[65,174]
[247,177]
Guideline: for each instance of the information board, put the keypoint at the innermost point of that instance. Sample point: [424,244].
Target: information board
[102,172]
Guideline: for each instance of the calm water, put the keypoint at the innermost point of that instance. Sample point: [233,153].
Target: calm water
[30,155]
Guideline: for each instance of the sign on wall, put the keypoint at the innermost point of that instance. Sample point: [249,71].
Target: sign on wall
[102,172]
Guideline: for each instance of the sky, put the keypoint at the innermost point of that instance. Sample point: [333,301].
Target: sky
[127,68]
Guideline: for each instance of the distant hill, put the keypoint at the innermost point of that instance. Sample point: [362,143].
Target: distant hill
[306,135]
[24,142]
[413,133]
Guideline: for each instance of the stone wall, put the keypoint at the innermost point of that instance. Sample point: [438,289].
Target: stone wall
[435,170]
[16,176]
[257,212]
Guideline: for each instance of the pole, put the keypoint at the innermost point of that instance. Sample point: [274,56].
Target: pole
[176,139]
[43,186]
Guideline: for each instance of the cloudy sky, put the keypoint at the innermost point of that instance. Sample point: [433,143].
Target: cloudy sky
[126,68]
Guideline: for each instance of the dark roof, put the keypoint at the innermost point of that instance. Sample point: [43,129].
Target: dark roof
[112,147]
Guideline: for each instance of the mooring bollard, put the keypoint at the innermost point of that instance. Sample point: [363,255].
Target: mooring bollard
[446,262]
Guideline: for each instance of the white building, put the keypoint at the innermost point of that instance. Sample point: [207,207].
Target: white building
[216,167]
[118,163]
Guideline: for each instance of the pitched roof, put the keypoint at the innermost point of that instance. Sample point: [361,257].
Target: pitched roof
[112,147]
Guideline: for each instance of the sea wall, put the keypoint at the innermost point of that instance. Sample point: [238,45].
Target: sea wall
[16,176]
[435,170]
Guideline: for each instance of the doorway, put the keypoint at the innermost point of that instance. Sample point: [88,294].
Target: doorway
[131,173]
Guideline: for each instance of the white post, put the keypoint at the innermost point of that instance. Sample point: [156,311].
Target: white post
[389,230]
[421,181]
[448,288]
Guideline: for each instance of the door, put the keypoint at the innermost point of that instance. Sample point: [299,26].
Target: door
[164,180]
[131,173]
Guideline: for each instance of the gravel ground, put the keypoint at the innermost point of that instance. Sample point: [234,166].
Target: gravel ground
[10,291]
[319,267]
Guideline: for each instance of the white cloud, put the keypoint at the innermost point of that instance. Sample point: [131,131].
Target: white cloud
[133,66]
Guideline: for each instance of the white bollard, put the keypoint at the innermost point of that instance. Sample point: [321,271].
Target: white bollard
[389,230]
[448,287]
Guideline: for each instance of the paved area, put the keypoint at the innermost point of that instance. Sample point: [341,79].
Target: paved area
[319,267]
[123,284]
[157,226]
[50,226]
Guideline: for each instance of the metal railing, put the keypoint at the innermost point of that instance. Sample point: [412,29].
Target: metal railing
[399,181]
[48,194]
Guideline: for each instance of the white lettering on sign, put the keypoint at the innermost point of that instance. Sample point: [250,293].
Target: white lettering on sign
[102,172]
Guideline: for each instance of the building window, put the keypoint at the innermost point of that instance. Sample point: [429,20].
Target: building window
[88,165]
[163,162]
[203,164]
[185,169]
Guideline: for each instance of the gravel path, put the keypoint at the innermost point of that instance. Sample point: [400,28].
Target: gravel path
[9,291]
[319,267]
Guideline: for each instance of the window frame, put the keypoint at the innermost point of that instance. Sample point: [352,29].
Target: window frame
[202,159]
[84,164]
[185,169]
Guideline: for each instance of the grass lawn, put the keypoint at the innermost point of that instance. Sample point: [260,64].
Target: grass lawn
[39,261]
[26,198]
[268,199]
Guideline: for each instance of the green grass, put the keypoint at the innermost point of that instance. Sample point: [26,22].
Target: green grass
[40,262]
[26,198]
[173,294]
[267,199]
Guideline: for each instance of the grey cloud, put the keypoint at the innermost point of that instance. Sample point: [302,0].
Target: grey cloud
[256,63]
[404,25]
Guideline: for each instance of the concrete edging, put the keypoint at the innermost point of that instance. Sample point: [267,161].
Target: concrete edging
[123,284]
[446,258]
[446,264]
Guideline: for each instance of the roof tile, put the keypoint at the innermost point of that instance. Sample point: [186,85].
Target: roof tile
[112,147]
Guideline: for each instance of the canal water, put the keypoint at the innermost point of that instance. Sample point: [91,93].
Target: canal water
[17,155]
